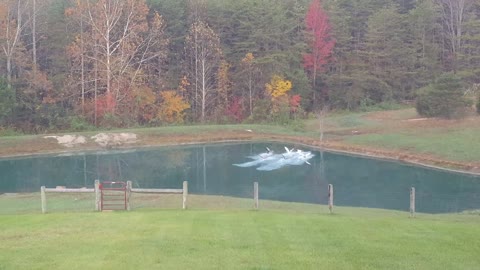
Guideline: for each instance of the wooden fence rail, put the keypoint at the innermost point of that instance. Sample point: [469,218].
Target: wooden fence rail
[161,191]
[70,190]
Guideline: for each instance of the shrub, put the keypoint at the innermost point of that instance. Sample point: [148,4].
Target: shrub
[261,111]
[7,99]
[443,98]
[78,123]
[6,132]
[111,120]
[280,112]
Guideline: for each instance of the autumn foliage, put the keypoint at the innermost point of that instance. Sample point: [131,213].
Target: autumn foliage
[172,108]
[126,63]
[235,109]
[144,104]
[278,87]
[295,103]
[321,42]
[105,104]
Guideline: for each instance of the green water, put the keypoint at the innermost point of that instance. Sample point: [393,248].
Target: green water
[358,182]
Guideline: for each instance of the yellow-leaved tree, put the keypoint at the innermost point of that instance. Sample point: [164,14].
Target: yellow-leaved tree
[173,108]
[278,87]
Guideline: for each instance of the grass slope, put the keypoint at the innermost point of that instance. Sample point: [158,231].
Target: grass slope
[457,145]
[217,239]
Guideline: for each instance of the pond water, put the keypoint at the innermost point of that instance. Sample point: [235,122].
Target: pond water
[358,182]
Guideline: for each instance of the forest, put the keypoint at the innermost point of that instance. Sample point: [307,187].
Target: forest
[81,64]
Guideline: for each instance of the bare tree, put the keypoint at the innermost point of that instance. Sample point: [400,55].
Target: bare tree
[117,49]
[203,50]
[453,18]
[11,31]
[34,37]
[321,115]
[251,71]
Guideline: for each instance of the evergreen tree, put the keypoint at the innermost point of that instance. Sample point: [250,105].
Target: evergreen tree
[443,98]
[7,101]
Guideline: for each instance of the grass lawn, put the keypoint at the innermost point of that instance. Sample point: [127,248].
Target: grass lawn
[353,238]
[457,145]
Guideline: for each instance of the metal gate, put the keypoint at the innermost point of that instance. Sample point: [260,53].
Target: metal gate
[113,196]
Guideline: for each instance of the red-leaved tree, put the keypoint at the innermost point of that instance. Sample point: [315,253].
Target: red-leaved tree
[295,103]
[235,109]
[321,42]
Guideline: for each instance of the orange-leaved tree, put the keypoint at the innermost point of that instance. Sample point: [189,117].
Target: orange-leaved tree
[173,107]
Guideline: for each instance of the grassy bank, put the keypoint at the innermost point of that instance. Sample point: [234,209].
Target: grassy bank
[394,134]
[457,145]
[242,239]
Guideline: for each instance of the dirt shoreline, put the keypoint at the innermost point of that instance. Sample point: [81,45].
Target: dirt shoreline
[40,146]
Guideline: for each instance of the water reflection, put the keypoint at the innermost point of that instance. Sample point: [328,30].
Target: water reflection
[208,168]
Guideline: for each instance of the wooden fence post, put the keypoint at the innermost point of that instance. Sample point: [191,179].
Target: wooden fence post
[44,199]
[129,193]
[412,202]
[97,195]
[330,198]
[185,194]
[255,195]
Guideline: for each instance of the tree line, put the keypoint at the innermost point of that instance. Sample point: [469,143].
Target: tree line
[75,64]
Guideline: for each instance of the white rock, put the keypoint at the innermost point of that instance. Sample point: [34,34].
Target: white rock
[68,140]
[104,139]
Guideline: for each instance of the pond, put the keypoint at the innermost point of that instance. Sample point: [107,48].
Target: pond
[209,169]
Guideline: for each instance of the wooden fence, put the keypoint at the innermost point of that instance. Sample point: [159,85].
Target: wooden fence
[330,198]
[183,191]
[96,190]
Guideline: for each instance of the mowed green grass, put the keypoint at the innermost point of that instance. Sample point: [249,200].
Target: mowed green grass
[352,238]
[457,145]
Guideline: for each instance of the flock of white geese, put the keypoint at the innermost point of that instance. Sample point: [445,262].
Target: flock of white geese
[269,161]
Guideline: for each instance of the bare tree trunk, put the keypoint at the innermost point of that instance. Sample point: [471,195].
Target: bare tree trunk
[9,72]
[108,64]
[321,121]
[196,74]
[95,90]
[250,86]
[34,39]
[204,90]
[314,85]
[82,60]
